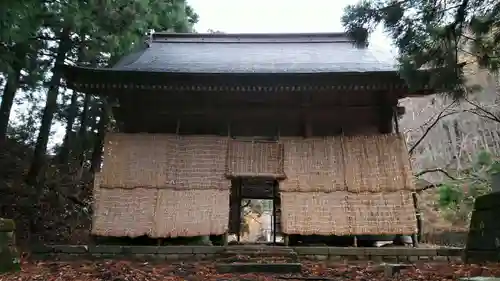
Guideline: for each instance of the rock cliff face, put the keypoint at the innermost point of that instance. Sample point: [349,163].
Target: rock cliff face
[454,141]
[456,138]
[9,256]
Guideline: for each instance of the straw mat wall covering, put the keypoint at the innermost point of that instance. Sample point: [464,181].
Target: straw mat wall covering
[164,161]
[191,213]
[159,212]
[132,160]
[383,213]
[95,193]
[318,213]
[253,158]
[313,165]
[377,163]
[162,186]
[343,213]
[124,212]
[347,185]
[201,163]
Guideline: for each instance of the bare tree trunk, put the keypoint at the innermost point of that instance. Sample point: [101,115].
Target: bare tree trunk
[68,141]
[82,131]
[9,93]
[50,108]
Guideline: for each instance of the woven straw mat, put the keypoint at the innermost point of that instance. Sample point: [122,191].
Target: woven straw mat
[313,165]
[159,212]
[143,172]
[201,163]
[343,213]
[164,161]
[377,163]
[253,158]
[133,160]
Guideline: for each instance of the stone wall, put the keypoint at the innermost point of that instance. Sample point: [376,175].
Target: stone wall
[9,256]
[483,242]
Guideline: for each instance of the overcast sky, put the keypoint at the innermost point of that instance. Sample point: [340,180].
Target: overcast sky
[271,16]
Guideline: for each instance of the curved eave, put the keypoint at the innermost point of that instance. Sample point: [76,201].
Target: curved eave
[109,81]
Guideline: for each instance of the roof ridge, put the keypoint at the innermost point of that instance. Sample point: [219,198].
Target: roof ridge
[323,37]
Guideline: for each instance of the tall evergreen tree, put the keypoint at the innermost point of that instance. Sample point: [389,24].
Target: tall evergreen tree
[108,30]
[19,46]
[433,34]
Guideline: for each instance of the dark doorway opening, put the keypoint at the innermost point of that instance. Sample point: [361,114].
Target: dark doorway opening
[255,212]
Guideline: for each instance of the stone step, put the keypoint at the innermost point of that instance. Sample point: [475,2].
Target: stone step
[479,278]
[276,250]
[257,254]
[392,269]
[258,268]
[255,245]
[245,258]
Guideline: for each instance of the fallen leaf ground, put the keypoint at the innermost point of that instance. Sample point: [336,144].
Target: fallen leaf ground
[115,270]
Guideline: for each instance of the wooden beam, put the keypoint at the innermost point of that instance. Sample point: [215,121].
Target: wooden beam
[188,100]
[247,109]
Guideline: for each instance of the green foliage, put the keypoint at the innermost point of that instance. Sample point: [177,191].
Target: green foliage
[456,197]
[432,35]
[484,158]
[450,195]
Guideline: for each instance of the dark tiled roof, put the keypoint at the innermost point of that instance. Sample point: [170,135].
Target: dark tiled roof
[256,53]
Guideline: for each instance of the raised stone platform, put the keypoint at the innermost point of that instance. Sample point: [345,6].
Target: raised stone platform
[389,254]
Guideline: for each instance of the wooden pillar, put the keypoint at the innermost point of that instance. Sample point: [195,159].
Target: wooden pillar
[417,236]
[235,208]
[178,126]
[275,194]
[238,229]
[308,124]
[395,118]
[306,104]
[385,112]
[414,240]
